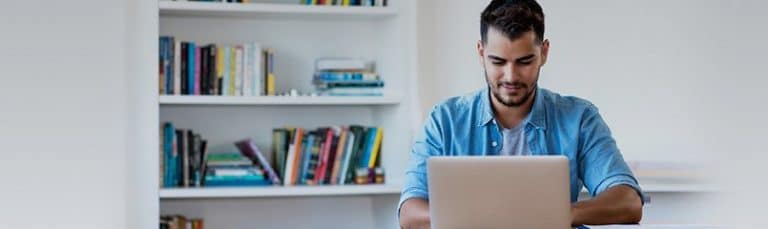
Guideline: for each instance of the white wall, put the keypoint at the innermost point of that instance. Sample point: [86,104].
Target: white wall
[64,112]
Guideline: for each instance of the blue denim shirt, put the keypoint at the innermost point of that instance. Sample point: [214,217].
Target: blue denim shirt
[556,125]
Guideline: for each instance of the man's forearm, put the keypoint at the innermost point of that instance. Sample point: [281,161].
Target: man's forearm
[414,214]
[617,205]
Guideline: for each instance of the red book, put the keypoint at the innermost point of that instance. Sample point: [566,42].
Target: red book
[324,154]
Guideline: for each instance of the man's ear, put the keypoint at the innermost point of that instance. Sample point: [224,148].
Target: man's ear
[481,52]
[544,51]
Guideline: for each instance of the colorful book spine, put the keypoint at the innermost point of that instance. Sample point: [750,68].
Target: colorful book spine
[339,156]
[197,70]
[232,71]
[249,148]
[376,148]
[191,68]
[177,68]
[270,78]
[239,70]
[225,70]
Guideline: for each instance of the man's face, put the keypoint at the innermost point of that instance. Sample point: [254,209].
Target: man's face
[512,66]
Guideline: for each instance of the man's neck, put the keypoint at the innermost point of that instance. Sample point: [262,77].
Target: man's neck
[510,117]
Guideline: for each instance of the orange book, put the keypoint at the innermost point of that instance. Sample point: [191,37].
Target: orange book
[297,156]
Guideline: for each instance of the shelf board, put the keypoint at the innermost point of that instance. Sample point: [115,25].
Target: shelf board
[351,190]
[218,9]
[278,100]
[280,191]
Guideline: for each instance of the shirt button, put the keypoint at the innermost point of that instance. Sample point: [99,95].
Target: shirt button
[494,144]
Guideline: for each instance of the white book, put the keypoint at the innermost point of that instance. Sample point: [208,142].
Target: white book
[257,61]
[347,157]
[239,70]
[288,174]
[177,68]
[340,64]
[247,69]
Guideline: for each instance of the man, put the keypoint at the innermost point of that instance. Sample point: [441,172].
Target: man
[513,116]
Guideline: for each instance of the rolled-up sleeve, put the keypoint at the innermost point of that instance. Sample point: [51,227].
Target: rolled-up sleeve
[427,144]
[601,165]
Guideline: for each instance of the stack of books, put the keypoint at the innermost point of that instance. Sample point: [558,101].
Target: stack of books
[187,68]
[328,155]
[346,77]
[180,222]
[345,2]
[232,169]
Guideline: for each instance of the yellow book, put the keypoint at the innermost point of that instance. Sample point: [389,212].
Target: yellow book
[314,2]
[270,72]
[232,70]
[345,2]
[219,67]
[376,146]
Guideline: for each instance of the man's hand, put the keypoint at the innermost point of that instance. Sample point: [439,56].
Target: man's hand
[414,214]
[617,205]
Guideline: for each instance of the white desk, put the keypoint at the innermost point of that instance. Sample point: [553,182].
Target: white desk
[654,226]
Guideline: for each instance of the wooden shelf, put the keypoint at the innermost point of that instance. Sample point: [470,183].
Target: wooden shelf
[278,100]
[279,191]
[217,9]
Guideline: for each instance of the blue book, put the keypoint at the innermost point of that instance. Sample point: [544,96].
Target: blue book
[191,68]
[250,180]
[370,138]
[307,157]
[168,137]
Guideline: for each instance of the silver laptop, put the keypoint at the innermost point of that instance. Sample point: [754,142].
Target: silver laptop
[499,192]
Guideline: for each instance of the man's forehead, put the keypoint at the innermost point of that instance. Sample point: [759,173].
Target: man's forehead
[500,45]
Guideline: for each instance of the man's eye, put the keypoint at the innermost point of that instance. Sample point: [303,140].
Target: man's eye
[498,63]
[525,62]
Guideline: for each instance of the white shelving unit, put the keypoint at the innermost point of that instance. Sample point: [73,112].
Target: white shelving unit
[298,34]
[216,9]
[279,100]
[264,192]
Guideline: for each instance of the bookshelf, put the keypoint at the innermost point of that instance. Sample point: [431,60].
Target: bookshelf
[298,34]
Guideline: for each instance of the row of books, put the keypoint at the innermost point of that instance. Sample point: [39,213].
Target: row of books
[182,157]
[346,77]
[180,222]
[345,2]
[328,155]
[188,68]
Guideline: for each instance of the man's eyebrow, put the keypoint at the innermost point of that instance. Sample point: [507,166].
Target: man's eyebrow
[496,58]
[529,56]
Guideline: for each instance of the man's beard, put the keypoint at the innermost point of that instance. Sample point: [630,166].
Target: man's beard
[496,91]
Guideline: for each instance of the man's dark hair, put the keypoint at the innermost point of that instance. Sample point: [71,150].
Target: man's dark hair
[512,18]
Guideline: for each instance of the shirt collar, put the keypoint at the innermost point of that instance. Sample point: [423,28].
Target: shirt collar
[537,117]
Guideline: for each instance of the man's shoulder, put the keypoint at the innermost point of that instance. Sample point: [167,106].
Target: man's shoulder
[563,102]
[459,104]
